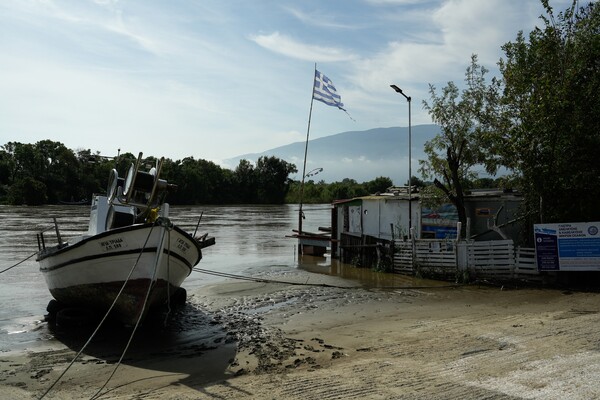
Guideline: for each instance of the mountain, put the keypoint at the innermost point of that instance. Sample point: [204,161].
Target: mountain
[359,155]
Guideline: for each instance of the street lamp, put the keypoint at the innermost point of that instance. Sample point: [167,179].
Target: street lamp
[313,172]
[398,90]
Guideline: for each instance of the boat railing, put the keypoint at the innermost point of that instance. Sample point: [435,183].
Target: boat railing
[40,236]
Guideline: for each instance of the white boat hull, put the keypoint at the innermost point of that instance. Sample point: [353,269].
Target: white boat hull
[140,258]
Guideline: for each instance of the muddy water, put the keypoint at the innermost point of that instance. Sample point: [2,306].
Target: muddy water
[251,240]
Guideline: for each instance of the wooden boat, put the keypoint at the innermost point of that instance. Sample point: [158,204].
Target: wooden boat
[131,259]
[82,202]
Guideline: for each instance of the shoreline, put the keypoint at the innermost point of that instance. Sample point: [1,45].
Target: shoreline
[255,340]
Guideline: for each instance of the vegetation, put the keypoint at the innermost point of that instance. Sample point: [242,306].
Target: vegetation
[322,192]
[551,114]
[541,121]
[48,172]
[463,120]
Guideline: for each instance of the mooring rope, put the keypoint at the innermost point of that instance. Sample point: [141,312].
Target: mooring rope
[165,223]
[168,277]
[20,262]
[262,280]
[103,319]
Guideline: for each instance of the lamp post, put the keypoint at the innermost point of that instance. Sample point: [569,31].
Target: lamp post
[398,90]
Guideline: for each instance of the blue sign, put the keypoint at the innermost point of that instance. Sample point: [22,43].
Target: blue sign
[567,246]
[546,252]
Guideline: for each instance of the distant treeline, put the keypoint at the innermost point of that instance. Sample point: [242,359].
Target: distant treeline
[47,172]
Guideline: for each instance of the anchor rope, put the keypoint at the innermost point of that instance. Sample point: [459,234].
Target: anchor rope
[165,223]
[103,319]
[292,283]
[168,277]
[20,262]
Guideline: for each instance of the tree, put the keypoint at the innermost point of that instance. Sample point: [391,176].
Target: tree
[552,114]
[198,182]
[379,184]
[245,180]
[272,179]
[27,191]
[416,182]
[6,167]
[57,167]
[93,173]
[466,120]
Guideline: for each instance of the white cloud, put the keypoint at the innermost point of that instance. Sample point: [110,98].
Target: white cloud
[394,2]
[292,48]
[436,54]
[319,18]
[197,73]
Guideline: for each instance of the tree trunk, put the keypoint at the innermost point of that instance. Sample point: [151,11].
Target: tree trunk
[458,201]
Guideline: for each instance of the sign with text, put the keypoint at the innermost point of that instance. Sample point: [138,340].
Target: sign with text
[567,246]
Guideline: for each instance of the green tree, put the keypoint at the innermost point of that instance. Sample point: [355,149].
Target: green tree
[57,167]
[6,167]
[245,182]
[466,120]
[198,182]
[272,179]
[552,114]
[346,189]
[417,182]
[28,191]
[378,185]
[93,174]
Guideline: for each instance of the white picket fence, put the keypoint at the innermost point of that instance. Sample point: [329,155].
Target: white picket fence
[496,259]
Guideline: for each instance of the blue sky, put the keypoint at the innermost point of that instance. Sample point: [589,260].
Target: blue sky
[214,79]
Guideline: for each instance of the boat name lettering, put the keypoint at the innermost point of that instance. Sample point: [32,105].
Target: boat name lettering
[183,245]
[112,244]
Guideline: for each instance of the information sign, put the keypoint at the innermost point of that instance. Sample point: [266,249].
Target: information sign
[567,246]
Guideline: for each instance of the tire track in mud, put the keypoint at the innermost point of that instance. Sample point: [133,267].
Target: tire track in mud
[328,388]
[397,384]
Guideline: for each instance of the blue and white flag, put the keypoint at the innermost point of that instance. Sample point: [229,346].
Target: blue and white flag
[325,92]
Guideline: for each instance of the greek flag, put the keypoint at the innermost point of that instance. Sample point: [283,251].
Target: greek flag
[325,92]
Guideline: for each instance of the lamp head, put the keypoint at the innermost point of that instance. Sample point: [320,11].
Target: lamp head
[396,88]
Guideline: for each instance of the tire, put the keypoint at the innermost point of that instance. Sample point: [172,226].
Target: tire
[179,298]
[53,307]
[71,317]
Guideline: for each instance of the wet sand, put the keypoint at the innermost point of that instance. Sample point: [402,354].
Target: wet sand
[240,339]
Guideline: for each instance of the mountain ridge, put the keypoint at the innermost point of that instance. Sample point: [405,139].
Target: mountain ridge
[359,155]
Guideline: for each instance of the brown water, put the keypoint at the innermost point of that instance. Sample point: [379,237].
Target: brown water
[250,240]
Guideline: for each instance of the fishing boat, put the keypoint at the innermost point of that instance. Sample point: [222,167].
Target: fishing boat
[132,257]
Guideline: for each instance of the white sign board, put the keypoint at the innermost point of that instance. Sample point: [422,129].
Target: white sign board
[567,246]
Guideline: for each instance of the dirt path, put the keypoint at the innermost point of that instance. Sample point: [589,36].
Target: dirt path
[247,340]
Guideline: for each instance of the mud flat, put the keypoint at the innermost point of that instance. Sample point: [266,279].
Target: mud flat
[238,339]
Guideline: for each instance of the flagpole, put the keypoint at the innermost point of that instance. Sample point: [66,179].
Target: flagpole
[312,97]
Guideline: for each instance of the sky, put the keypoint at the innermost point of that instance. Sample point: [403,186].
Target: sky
[213,79]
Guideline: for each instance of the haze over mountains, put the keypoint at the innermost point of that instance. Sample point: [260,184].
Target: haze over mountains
[359,155]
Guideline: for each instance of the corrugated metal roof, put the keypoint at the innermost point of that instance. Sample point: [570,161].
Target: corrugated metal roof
[385,196]
[469,195]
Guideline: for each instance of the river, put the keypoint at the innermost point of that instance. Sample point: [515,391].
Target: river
[250,240]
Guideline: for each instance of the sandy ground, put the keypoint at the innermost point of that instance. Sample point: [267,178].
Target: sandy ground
[239,339]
